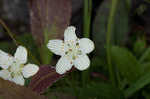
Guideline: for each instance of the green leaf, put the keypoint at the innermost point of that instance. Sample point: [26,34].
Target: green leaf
[146,67]
[148,1]
[146,56]
[8,47]
[121,24]
[139,46]
[146,95]
[137,85]
[141,9]
[120,29]
[100,27]
[126,63]
[100,91]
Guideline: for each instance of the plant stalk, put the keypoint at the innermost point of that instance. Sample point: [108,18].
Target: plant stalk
[86,31]
[110,26]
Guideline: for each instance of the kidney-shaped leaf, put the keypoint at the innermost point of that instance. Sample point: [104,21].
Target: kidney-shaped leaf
[9,90]
[46,76]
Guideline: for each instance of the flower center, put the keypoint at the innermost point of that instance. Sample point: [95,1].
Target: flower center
[15,69]
[72,50]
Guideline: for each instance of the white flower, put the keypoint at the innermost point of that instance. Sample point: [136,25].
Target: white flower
[72,51]
[14,68]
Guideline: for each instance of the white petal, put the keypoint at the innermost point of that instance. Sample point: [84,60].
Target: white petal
[63,65]
[30,70]
[69,34]
[56,46]
[21,54]
[5,74]
[86,45]
[82,62]
[18,80]
[5,60]
[15,67]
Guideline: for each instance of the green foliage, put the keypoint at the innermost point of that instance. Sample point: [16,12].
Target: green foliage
[7,47]
[138,84]
[136,72]
[145,60]
[86,31]
[120,27]
[126,63]
[97,64]
[100,91]
[139,47]
[140,10]
[145,57]
[146,94]
[147,1]
[145,67]
[131,68]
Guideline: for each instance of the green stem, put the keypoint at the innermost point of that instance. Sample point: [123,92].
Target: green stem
[13,37]
[45,54]
[128,4]
[86,31]
[8,31]
[87,18]
[72,86]
[108,40]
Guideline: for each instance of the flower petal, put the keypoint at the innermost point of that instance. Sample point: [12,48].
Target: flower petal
[5,74]
[56,46]
[5,60]
[63,65]
[21,54]
[18,80]
[86,45]
[82,62]
[69,34]
[29,70]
